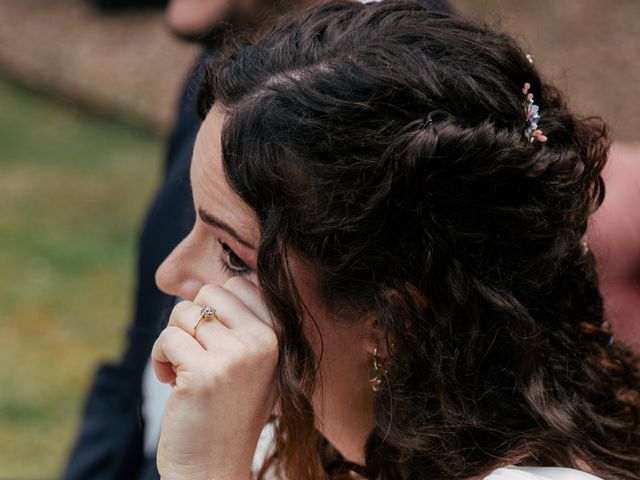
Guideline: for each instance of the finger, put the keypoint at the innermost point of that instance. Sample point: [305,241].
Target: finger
[174,349]
[187,315]
[230,310]
[185,309]
[241,321]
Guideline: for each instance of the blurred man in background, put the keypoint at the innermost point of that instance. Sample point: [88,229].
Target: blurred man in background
[120,427]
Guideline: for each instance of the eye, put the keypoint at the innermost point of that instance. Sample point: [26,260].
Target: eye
[231,263]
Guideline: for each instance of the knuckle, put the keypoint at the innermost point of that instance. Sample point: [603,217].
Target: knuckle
[267,341]
[207,291]
[166,337]
[236,282]
[179,310]
[222,371]
[237,358]
[182,305]
[273,343]
[259,348]
[165,334]
[241,353]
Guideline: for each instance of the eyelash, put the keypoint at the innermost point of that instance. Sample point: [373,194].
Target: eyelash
[225,262]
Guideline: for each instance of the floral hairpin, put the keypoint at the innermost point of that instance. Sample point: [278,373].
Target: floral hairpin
[531,115]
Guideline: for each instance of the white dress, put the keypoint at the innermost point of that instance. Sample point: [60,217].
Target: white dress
[539,473]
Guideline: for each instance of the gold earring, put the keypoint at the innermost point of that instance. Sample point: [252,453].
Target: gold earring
[584,247]
[376,374]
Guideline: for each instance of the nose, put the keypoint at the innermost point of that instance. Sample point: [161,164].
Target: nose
[181,274]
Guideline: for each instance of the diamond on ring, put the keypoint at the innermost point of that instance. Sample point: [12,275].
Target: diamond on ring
[206,312]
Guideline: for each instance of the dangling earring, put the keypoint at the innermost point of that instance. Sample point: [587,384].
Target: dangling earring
[376,374]
[584,247]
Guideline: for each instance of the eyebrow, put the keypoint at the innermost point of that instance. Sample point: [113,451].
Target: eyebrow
[209,219]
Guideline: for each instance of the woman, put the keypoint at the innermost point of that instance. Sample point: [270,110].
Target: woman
[389,258]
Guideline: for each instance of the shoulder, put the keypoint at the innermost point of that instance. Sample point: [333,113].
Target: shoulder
[539,473]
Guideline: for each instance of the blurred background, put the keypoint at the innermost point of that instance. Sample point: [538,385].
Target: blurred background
[86,100]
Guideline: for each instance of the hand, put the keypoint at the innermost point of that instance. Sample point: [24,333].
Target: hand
[223,383]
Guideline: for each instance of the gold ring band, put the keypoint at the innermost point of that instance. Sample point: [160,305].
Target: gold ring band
[206,313]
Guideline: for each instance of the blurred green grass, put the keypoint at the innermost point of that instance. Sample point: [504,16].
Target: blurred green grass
[73,190]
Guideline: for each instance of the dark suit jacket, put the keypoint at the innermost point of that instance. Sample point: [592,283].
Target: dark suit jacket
[109,444]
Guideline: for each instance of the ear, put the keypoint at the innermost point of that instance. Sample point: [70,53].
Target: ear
[399,306]
[373,335]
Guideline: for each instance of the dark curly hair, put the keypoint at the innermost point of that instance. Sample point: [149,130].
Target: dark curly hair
[385,143]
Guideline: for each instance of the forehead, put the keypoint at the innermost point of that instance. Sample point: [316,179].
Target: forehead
[211,192]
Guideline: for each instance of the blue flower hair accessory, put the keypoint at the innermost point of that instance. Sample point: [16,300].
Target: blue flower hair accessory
[532,116]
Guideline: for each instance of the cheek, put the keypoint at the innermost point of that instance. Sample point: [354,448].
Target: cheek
[340,349]
[343,363]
